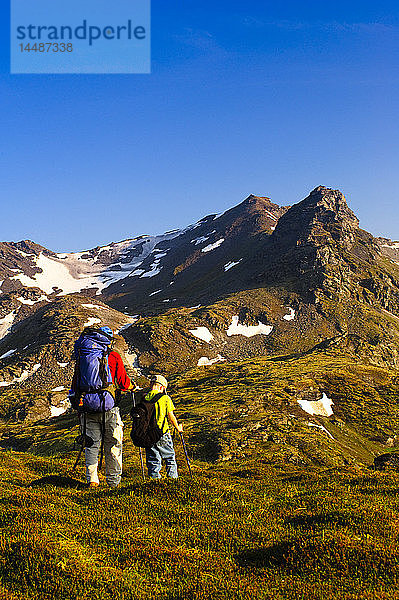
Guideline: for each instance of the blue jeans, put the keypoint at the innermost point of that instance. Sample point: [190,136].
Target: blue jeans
[161,450]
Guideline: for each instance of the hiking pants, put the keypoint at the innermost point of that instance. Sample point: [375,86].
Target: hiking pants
[113,437]
[161,450]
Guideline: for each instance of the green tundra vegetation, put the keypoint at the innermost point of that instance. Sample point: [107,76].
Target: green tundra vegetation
[282,504]
[242,529]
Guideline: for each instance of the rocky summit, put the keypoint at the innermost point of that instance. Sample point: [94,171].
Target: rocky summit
[276,325]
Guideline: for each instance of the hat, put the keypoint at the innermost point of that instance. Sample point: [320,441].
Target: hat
[160,379]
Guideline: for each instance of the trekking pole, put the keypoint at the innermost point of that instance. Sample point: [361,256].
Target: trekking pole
[142,464]
[185,452]
[140,449]
[83,444]
[102,435]
[78,458]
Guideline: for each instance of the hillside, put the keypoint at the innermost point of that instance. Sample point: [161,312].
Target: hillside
[278,329]
[286,304]
[241,530]
[282,504]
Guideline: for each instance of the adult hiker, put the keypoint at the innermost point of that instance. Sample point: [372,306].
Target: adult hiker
[99,375]
[163,448]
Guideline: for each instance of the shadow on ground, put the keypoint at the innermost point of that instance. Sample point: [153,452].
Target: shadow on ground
[62,481]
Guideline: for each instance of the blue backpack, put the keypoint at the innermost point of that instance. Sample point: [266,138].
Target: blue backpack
[93,389]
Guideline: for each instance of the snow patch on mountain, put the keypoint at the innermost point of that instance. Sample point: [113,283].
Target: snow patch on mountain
[22,253]
[9,353]
[91,321]
[6,323]
[55,275]
[231,264]
[32,302]
[93,306]
[23,377]
[26,374]
[237,328]
[200,240]
[204,361]
[154,269]
[68,273]
[310,424]
[318,407]
[291,314]
[213,246]
[56,411]
[202,333]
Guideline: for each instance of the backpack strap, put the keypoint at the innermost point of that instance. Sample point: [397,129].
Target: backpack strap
[157,397]
[154,400]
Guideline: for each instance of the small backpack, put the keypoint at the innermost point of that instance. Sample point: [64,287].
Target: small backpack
[145,429]
[92,388]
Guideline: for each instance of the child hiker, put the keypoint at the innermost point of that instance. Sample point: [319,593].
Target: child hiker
[163,449]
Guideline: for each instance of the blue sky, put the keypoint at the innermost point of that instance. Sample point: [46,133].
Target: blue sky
[271,98]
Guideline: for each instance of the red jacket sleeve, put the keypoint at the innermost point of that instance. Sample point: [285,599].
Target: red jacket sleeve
[118,372]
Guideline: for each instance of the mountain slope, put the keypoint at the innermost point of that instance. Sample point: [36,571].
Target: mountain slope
[259,280]
[317,279]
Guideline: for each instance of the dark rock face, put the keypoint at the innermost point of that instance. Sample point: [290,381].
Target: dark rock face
[386,461]
[309,238]
[323,213]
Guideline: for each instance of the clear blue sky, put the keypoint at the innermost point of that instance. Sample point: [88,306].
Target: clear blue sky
[265,97]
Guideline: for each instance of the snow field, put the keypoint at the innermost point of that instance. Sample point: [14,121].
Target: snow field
[321,407]
[202,333]
[204,361]
[237,328]
[213,246]
[6,323]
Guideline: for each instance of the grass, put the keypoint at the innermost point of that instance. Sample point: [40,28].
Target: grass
[276,509]
[231,409]
[237,530]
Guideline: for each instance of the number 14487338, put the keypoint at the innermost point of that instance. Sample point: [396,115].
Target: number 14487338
[46,47]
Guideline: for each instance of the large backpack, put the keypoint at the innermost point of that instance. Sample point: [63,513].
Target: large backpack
[93,389]
[145,429]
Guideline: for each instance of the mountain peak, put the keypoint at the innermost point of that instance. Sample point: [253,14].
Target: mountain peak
[324,210]
[258,203]
[333,200]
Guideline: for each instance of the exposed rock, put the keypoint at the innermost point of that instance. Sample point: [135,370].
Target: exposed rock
[387,461]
